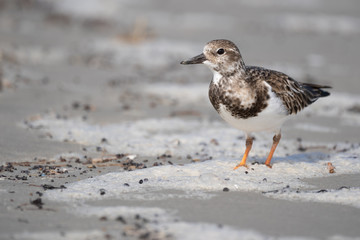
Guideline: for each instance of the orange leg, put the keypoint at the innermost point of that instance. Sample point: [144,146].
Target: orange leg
[276,140]
[249,141]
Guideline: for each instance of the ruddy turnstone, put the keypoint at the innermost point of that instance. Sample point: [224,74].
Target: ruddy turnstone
[252,98]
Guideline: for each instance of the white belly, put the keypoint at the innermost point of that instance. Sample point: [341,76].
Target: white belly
[262,122]
[270,119]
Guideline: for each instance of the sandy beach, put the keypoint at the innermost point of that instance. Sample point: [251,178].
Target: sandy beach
[104,135]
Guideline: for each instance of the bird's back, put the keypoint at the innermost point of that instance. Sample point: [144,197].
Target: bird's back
[294,95]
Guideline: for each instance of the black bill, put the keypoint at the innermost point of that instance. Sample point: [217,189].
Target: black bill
[195,60]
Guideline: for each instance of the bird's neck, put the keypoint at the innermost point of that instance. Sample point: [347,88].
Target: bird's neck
[234,69]
[228,76]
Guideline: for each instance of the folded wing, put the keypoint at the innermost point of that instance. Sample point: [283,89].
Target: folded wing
[294,95]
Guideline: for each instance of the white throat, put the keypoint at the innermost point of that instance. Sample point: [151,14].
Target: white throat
[216,75]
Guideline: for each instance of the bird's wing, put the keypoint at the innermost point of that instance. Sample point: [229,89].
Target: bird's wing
[294,95]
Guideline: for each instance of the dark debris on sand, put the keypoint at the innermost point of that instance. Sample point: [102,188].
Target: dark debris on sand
[354,109]
[37,202]
[67,167]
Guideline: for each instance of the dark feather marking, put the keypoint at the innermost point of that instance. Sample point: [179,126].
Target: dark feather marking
[294,95]
[224,93]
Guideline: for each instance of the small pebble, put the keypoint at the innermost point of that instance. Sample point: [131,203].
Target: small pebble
[322,191]
[214,142]
[102,191]
[37,202]
[39,193]
[120,155]
[225,189]
[145,235]
[121,219]
[75,105]
[141,181]
[23,220]
[131,157]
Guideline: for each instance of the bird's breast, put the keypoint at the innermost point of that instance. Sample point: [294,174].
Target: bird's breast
[248,108]
[238,98]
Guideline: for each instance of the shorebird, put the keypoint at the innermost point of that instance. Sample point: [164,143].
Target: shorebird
[251,98]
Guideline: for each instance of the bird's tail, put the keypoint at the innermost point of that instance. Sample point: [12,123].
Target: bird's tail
[316,90]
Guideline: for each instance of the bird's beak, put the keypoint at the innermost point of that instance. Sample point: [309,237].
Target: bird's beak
[195,60]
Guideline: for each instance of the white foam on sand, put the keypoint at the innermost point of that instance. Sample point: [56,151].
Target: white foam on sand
[200,179]
[153,137]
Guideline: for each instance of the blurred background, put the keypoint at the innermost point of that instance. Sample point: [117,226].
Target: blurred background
[117,60]
[312,39]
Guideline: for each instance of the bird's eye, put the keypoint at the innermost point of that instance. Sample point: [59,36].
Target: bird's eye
[220,51]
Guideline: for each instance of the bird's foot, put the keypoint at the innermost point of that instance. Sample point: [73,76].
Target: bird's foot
[241,165]
[268,165]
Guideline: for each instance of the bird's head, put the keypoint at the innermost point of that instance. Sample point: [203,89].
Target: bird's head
[221,56]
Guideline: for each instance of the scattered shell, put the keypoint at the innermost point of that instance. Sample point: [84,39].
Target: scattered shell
[131,157]
[214,142]
[330,167]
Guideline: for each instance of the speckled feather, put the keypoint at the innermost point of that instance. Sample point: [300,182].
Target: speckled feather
[242,99]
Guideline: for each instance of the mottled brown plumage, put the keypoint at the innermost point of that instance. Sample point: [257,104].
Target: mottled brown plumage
[294,95]
[252,98]
[225,93]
